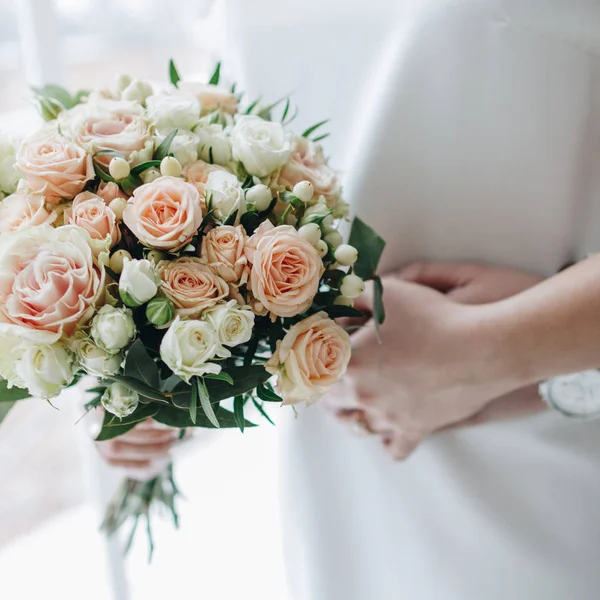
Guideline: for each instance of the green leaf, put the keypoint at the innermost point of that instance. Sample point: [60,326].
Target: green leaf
[205,402]
[5,409]
[370,247]
[173,73]
[286,109]
[194,403]
[253,106]
[262,411]
[139,365]
[56,94]
[238,412]
[336,312]
[321,137]
[315,127]
[113,427]
[214,78]
[163,150]
[175,417]
[102,174]
[109,152]
[12,394]
[170,383]
[223,376]
[140,387]
[267,395]
[378,309]
[138,169]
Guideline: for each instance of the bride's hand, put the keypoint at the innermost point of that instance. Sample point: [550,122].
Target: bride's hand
[430,371]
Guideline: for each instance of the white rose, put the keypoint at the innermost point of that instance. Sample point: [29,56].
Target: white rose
[9,173]
[120,400]
[138,282]
[93,359]
[173,108]
[184,145]
[46,370]
[233,324]
[113,328]
[224,194]
[261,146]
[213,142]
[137,91]
[188,346]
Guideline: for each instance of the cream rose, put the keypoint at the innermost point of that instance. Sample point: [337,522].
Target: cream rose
[261,146]
[54,167]
[187,348]
[224,195]
[25,210]
[50,282]
[173,108]
[285,269]
[223,250]
[164,214]
[184,146]
[233,324]
[93,359]
[113,328]
[307,163]
[191,285]
[91,213]
[211,97]
[313,355]
[110,125]
[197,174]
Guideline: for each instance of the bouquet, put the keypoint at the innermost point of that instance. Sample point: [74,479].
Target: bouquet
[182,248]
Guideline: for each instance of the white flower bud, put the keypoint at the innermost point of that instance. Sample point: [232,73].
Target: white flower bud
[138,282]
[117,259]
[120,82]
[118,205]
[311,232]
[259,197]
[346,255]
[304,191]
[156,256]
[119,168]
[352,286]
[137,91]
[343,301]
[120,400]
[334,239]
[150,175]
[170,167]
[322,248]
[112,328]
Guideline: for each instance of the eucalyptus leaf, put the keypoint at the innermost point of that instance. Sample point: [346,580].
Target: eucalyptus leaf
[267,395]
[314,127]
[216,76]
[102,174]
[173,73]
[140,387]
[370,247]
[175,417]
[194,403]
[113,427]
[110,153]
[262,411]
[238,412]
[222,376]
[205,402]
[12,394]
[139,169]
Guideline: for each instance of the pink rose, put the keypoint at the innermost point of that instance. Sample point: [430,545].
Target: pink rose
[164,214]
[110,125]
[191,285]
[54,167]
[25,210]
[307,163]
[313,355]
[50,282]
[108,191]
[91,213]
[211,97]
[223,250]
[197,174]
[286,269]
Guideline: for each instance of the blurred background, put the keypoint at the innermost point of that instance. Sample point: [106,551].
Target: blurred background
[52,485]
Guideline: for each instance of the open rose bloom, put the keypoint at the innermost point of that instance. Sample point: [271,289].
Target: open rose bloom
[181,248]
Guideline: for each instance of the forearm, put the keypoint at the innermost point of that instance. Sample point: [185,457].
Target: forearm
[550,329]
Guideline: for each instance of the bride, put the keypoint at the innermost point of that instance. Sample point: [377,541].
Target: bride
[473,139]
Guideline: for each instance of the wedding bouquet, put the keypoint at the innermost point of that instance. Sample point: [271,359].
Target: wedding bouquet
[183,249]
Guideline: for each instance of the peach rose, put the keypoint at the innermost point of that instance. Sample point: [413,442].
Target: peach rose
[211,97]
[191,285]
[164,214]
[223,250]
[54,167]
[25,210]
[93,214]
[286,269]
[110,125]
[197,174]
[313,355]
[307,163]
[50,282]
[108,191]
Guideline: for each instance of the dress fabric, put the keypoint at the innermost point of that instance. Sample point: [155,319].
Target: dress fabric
[466,130]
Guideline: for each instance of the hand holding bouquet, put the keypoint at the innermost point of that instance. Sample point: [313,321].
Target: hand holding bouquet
[183,250]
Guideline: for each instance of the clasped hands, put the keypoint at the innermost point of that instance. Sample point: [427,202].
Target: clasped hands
[433,369]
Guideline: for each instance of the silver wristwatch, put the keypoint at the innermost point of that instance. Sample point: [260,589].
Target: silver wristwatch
[576,395]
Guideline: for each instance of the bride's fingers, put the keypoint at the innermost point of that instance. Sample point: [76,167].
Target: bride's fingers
[149,436]
[400,445]
[122,450]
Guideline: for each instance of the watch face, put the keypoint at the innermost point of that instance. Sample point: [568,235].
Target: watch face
[576,395]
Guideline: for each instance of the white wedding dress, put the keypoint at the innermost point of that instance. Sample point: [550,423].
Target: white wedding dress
[474,136]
